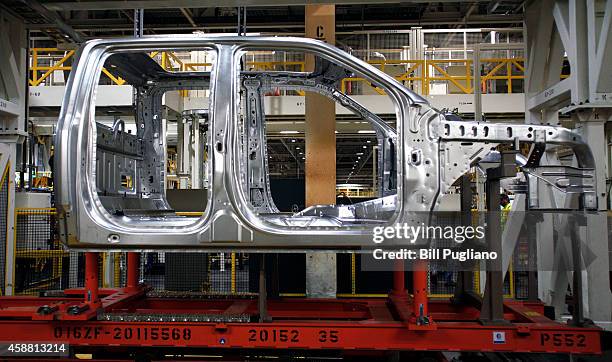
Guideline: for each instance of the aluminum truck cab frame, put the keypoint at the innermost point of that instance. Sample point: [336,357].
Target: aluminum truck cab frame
[419,161]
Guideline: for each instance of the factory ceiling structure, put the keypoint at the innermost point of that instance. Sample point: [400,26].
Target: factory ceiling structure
[88,19]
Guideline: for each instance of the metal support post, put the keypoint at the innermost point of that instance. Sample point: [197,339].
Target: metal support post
[272,276]
[196,156]
[492,311]
[133,269]
[465,277]
[108,270]
[419,282]
[417,51]
[241,14]
[416,317]
[399,282]
[492,307]
[262,300]
[91,279]
[138,23]
[477,85]
[577,305]
[532,276]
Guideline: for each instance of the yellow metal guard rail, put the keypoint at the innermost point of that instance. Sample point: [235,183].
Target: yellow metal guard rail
[419,73]
[41,72]
[425,72]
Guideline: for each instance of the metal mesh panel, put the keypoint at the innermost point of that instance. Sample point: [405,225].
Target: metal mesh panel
[442,281]
[521,260]
[220,273]
[3,231]
[208,273]
[520,285]
[387,46]
[120,269]
[111,267]
[241,272]
[39,259]
[42,265]
[152,269]
[76,270]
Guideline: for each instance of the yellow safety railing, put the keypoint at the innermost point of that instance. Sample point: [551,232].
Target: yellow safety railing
[355,192]
[38,72]
[423,73]
[420,74]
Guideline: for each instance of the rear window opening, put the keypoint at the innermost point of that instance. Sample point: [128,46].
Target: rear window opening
[146,153]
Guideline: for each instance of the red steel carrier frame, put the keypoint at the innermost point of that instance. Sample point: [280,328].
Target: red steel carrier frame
[95,316]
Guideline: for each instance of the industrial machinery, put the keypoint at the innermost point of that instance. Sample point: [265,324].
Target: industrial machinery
[110,195]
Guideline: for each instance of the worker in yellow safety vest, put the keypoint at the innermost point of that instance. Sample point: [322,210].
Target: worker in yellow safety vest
[504,201]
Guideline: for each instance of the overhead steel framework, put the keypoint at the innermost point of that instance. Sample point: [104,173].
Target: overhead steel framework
[111,18]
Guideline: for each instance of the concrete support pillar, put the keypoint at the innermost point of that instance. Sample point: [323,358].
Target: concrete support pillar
[320,136]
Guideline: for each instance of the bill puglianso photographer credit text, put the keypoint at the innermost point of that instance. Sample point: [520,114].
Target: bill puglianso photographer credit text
[433,254]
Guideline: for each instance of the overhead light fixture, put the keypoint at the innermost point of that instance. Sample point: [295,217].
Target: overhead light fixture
[366,131]
[289,132]
[297,148]
[365,146]
[359,153]
[368,141]
[293,141]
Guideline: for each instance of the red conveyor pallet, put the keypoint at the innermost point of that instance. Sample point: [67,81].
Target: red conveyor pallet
[341,324]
